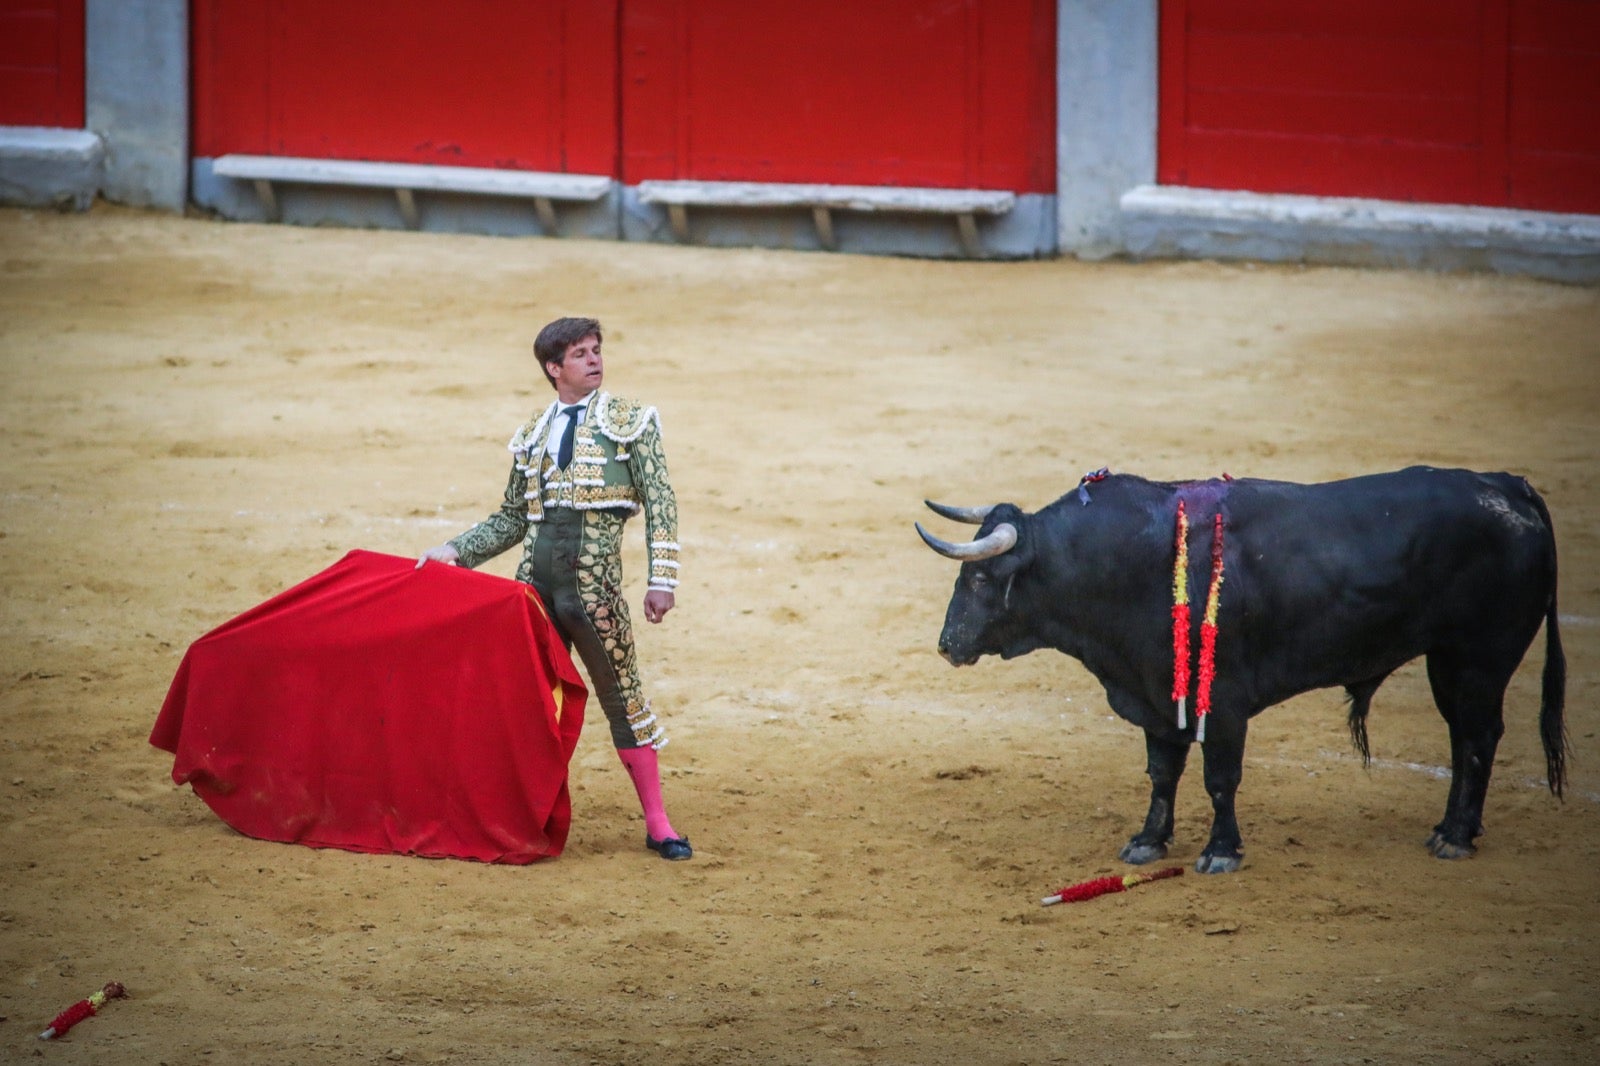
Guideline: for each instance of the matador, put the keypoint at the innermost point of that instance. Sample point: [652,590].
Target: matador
[580,468]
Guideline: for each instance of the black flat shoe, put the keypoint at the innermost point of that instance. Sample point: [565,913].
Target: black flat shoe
[675,849]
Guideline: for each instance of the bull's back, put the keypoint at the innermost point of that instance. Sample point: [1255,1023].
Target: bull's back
[1344,581]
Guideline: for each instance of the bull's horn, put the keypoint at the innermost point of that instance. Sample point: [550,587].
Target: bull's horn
[998,542]
[973,516]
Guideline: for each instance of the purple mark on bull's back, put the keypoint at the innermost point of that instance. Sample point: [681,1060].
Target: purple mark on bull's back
[1202,498]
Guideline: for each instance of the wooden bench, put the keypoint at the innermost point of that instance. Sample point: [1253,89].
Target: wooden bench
[965,204]
[407,179]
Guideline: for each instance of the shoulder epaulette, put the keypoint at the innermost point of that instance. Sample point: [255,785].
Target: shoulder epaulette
[624,420]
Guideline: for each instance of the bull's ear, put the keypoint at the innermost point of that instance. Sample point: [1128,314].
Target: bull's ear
[1008,565]
[1020,555]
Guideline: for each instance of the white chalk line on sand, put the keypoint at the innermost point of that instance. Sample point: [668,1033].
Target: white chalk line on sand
[323,517]
[759,546]
[1438,772]
[1443,773]
[779,701]
[314,517]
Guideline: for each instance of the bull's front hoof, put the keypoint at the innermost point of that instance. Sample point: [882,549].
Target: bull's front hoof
[1441,848]
[1138,852]
[1218,864]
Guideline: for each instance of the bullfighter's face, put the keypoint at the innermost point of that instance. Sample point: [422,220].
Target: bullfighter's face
[580,371]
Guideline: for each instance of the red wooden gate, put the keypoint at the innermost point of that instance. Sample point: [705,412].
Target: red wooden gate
[41,63]
[899,92]
[488,83]
[896,92]
[1493,102]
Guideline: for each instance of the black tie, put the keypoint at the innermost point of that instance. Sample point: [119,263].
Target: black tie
[574,416]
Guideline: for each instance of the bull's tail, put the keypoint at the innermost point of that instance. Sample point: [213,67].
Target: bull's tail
[1552,705]
[1552,724]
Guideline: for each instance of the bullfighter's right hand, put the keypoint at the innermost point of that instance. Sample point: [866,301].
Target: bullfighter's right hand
[443,553]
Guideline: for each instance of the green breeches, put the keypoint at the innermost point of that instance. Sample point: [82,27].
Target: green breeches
[575,564]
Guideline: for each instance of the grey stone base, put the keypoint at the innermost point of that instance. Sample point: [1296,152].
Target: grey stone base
[1167,222]
[1027,231]
[48,167]
[377,208]
[1156,221]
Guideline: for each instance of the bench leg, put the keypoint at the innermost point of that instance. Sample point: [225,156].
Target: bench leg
[547,215]
[967,225]
[680,221]
[824,221]
[268,200]
[408,206]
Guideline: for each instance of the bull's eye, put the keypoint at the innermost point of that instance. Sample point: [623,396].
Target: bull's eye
[979,578]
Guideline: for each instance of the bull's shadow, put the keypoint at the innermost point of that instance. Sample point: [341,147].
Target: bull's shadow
[1199,604]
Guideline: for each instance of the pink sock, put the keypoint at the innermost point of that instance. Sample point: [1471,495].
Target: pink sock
[646,773]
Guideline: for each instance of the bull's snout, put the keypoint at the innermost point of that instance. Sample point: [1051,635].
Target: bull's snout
[951,657]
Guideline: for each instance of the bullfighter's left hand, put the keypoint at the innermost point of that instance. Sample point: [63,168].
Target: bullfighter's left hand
[657,602]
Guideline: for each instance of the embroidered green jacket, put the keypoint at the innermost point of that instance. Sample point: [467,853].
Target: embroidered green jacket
[617,466]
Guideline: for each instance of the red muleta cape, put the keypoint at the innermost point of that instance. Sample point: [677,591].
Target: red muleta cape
[377,707]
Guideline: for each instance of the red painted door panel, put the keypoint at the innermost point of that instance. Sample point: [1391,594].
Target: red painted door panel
[898,92]
[474,82]
[1554,115]
[1492,102]
[951,93]
[41,63]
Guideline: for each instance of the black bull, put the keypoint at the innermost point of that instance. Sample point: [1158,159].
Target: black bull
[1330,584]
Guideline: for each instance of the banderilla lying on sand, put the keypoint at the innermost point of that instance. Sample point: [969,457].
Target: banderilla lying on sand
[1100,886]
[83,1009]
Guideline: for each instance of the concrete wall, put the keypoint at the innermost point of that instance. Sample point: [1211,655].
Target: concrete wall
[137,98]
[1176,223]
[47,167]
[1105,118]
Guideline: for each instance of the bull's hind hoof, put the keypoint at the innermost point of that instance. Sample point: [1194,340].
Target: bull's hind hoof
[1441,848]
[1139,853]
[1218,864]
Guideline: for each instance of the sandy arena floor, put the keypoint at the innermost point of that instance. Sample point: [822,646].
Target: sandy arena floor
[197,415]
